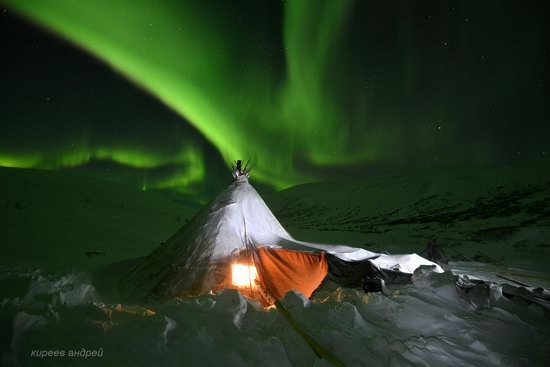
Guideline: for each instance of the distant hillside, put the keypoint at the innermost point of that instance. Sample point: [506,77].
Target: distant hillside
[50,219]
[500,211]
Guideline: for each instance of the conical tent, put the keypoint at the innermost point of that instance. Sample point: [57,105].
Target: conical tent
[236,242]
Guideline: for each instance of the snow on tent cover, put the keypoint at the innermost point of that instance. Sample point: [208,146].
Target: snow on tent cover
[236,242]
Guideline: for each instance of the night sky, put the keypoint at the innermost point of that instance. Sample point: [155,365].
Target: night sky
[164,94]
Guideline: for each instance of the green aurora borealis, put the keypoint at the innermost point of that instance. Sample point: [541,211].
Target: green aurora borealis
[308,89]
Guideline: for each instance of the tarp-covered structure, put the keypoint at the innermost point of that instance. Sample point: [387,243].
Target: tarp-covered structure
[236,242]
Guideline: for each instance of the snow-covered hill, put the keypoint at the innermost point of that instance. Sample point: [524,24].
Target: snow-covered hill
[50,220]
[502,212]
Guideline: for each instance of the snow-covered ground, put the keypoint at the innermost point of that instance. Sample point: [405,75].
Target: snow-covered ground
[71,303]
[425,324]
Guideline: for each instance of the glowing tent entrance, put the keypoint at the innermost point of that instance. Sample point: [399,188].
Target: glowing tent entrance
[236,242]
[266,274]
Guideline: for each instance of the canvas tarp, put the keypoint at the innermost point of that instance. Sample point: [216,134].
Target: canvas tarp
[280,271]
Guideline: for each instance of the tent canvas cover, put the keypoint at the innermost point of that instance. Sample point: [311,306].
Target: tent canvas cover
[236,242]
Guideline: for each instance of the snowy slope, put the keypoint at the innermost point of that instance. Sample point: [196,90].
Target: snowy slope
[503,212]
[49,220]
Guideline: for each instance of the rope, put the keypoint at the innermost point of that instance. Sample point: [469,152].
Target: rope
[320,351]
[317,348]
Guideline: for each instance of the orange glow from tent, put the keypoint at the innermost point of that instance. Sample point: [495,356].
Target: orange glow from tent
[243,275]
